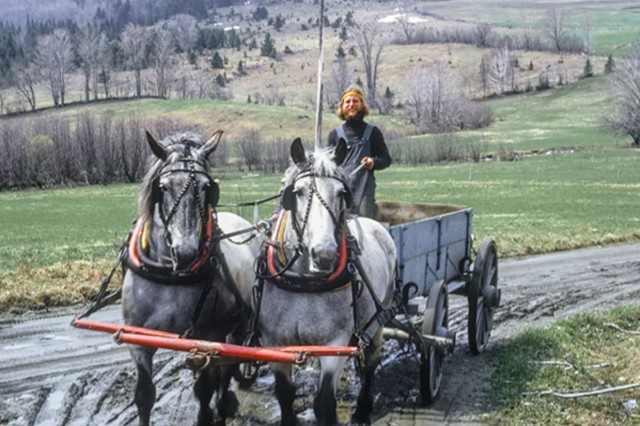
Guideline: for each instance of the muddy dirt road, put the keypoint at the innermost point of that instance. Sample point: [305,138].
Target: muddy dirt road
[53,374]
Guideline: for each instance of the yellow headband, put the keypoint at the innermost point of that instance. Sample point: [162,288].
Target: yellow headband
[353,92]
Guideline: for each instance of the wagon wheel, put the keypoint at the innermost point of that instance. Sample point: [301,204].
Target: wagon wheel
[483,296]
[436,323]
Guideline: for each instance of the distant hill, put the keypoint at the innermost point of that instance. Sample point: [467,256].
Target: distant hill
[18,11]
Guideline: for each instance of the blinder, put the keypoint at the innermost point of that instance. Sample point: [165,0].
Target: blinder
[212,195]
[288,200]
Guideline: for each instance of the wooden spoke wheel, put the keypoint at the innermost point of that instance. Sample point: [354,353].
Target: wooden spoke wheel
[483,296]
[436,323]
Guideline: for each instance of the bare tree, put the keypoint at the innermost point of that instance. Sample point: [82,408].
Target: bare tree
[54,57]
[91,45]
[499,62]
[26,79]
[527,32]
[184,29]
[134,41]
[434,99]
[484,74]
[415,94]
[163,51]
[370,44]
[554,24]
[587,27]
[625,81]
[339,80]
[483,33]
[406,27]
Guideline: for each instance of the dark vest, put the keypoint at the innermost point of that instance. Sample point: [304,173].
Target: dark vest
[357,148]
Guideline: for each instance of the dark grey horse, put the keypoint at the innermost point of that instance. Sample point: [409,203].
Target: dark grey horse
[306,297]
[183,275]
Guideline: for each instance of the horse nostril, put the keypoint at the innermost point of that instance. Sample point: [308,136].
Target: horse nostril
[184,255]
[324,258]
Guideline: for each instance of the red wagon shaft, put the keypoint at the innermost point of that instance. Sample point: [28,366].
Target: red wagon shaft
[164,340]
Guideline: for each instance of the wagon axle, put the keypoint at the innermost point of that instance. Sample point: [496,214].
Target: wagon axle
[444,340]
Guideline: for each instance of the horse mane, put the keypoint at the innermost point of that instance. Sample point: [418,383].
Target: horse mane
[177,145]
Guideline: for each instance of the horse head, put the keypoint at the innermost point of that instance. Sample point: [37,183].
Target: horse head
[180,196]
[318,197]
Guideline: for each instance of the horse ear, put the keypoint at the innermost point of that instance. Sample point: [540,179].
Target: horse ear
[298,154]
[157,148]
[211,144]
[341,152]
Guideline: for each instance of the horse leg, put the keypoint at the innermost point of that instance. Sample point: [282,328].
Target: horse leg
[226,401]
[324,403]
[204,388]
[285,393]
[145,394]
[364,405]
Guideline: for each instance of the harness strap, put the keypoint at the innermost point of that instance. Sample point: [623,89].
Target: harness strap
[382,315]
[104,297]
[135,257]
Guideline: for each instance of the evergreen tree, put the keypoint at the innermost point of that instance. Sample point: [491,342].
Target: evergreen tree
[278,23]
[343,34]
[349,18]
[260,13]
[588,69]
[216,61]
[268,47]
[610,65]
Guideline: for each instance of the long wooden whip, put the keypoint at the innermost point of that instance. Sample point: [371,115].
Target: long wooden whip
[318,141]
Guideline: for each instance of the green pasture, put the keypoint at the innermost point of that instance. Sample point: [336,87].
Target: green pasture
[613,24]
[567,117]
[563,118]
[538,204]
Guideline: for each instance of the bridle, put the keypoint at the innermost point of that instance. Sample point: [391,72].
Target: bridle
[193,167]
[289,203]
[206,209]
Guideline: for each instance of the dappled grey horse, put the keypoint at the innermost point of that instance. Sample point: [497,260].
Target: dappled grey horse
[183,274]
[311,273]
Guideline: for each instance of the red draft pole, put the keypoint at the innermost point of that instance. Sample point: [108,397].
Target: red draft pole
[214,348]
[161,339]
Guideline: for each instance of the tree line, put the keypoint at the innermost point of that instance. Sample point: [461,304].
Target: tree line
[123,37]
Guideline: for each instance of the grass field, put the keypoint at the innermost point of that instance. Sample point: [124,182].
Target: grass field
[574,355]
[67,238]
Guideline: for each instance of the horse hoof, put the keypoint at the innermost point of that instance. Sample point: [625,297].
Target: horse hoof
[360,419]
[228,406]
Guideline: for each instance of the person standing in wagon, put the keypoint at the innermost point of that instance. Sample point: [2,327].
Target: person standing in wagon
[366,150]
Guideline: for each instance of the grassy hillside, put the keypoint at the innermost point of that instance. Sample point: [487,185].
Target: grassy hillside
[612,27]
